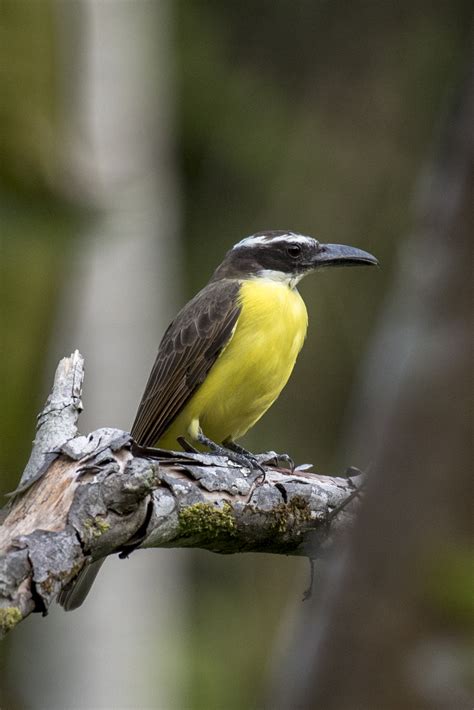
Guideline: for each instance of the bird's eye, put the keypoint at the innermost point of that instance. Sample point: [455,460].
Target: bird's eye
[293,250]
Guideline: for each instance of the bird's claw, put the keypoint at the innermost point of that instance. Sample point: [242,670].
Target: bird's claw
[234,453]
[272,458]
[254,464]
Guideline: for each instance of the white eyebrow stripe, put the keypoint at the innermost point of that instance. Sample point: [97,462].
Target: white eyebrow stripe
[250,241]
[289,237]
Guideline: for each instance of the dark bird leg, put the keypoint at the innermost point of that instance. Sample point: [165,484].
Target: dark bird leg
[242,459]
[267,457]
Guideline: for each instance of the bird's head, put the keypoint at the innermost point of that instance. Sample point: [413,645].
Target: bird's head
[286,257]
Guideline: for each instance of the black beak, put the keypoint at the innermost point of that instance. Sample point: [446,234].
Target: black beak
[342,255]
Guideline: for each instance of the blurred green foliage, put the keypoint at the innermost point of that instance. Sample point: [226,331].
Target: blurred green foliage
[313,116]
[36,222]
[449,585]
[29,64]
[33,255]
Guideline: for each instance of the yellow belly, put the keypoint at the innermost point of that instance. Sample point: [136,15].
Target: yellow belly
[252,370]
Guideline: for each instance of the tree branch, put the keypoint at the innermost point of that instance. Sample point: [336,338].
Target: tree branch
[82,498]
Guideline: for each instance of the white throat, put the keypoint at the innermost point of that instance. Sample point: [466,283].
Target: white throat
[290,280]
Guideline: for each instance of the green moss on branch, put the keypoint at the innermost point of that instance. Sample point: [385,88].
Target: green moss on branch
[204,520]
[10,616]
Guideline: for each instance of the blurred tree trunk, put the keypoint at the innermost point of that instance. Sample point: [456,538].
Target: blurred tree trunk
[388,626]
[119,294]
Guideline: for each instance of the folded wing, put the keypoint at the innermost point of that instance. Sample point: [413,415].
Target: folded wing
[188,350]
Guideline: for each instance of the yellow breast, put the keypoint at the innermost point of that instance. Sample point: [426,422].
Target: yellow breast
[252,370]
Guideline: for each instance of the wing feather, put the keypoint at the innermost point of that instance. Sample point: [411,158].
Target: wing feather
[189,348]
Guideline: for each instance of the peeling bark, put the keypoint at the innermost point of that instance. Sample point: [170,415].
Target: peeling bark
[82,498]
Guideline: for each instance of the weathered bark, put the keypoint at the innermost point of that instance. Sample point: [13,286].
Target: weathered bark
[82,498]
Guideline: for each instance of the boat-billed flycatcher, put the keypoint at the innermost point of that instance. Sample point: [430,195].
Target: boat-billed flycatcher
[229,352]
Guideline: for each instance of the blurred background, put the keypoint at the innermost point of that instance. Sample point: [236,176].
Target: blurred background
[140,140]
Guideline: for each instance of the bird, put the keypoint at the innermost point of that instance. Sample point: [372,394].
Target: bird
[227,355]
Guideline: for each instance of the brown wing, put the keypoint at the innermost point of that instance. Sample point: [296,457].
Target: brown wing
[189,348]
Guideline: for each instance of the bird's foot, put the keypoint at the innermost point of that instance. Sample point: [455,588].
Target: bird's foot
[275,459]
[239,456]
[269,458]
